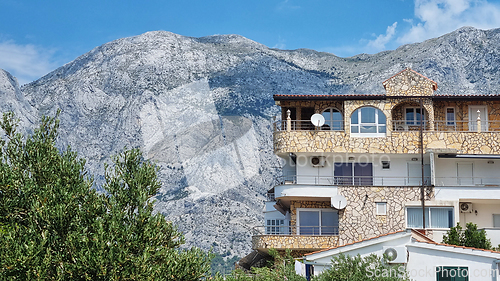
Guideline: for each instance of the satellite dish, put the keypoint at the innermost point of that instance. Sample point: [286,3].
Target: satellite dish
[339,202]
[318,120]
[391,254]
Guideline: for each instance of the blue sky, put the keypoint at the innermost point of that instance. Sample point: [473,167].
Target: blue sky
[37,36]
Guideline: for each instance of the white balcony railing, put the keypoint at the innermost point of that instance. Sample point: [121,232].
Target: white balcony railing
[297,230]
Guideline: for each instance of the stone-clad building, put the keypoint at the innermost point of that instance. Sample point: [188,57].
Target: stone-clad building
[359,174]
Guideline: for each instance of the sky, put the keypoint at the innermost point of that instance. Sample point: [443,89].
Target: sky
[37,37]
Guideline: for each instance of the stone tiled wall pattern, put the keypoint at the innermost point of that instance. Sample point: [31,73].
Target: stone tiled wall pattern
[294,242]
[359,220]
[409,83]
[396,142]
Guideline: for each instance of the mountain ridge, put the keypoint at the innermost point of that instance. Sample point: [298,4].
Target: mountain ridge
[201,108]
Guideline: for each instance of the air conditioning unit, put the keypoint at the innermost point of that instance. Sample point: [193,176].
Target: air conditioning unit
[318,161]
[396,254]
[465,207]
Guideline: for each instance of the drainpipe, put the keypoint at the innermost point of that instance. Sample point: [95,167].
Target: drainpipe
[495,270]
[422,189]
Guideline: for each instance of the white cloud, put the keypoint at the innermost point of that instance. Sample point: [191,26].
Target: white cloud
[281,44]
[286,5]
[26,62]
[437,17]
[379,43]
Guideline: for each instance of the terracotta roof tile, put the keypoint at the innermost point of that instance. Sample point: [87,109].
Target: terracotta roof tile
[461,247]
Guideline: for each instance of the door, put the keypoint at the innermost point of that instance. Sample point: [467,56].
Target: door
[343,173]
[415,173]
[465,174]
[483,114]
[363,174]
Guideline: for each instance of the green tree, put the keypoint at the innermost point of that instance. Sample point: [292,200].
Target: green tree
[470,237]
[357,268]
[281,268]
[55,226]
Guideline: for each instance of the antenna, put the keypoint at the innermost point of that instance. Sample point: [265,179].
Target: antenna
[318,120]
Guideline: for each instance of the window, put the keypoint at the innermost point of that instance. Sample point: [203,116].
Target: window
[353,173]
[368,122]
[452,273]
[413,116]
[381,208]
[276,226]
[496,220]
[435,217]
[450,116]
[318,222]
[333,120]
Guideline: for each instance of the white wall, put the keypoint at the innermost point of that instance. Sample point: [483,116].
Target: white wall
[483,173]
[422,263]
[395,176]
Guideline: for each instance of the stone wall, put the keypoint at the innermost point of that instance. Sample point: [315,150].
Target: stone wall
[359,220]
[409,83]
[395,142]
[293,242]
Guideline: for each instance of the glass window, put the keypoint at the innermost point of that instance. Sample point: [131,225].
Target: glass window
[381,208]
[413,116]
[450,116]
[496,220]
[452,273]
[368,122]
[333,120]
[318,222]
[435,217]
[276,226]
[353,173]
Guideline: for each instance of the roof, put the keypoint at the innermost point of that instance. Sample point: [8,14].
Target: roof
[459,247]
[434,87]
[436,96]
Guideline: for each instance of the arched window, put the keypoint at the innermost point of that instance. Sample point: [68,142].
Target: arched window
[368,122]
[333,120]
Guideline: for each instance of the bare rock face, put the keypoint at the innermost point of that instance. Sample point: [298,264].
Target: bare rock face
[201,108]
[12,99]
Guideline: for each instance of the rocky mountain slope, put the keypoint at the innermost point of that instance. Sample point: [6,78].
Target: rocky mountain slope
[202,109]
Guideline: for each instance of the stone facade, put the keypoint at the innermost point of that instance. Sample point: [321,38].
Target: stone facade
[293,242]
[395,142]
[409,83]
[359,219]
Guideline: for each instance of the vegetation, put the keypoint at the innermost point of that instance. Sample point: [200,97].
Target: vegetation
[470,237]
[219,264]
[357,268]
[55,226]
[282,268]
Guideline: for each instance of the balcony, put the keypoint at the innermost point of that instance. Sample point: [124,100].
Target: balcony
[306,238]
[294,181]
[403,137]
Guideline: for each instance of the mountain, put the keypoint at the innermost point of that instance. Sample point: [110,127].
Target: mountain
[201,108]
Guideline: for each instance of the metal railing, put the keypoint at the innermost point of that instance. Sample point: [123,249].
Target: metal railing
[409,125]
[353,180]
[296,230]
[386,181]
[306,125]
[467,181]
[397,125]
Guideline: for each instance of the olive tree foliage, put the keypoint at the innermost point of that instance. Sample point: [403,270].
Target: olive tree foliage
[357,268]
[55,226]
[470,237]
[281,268]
